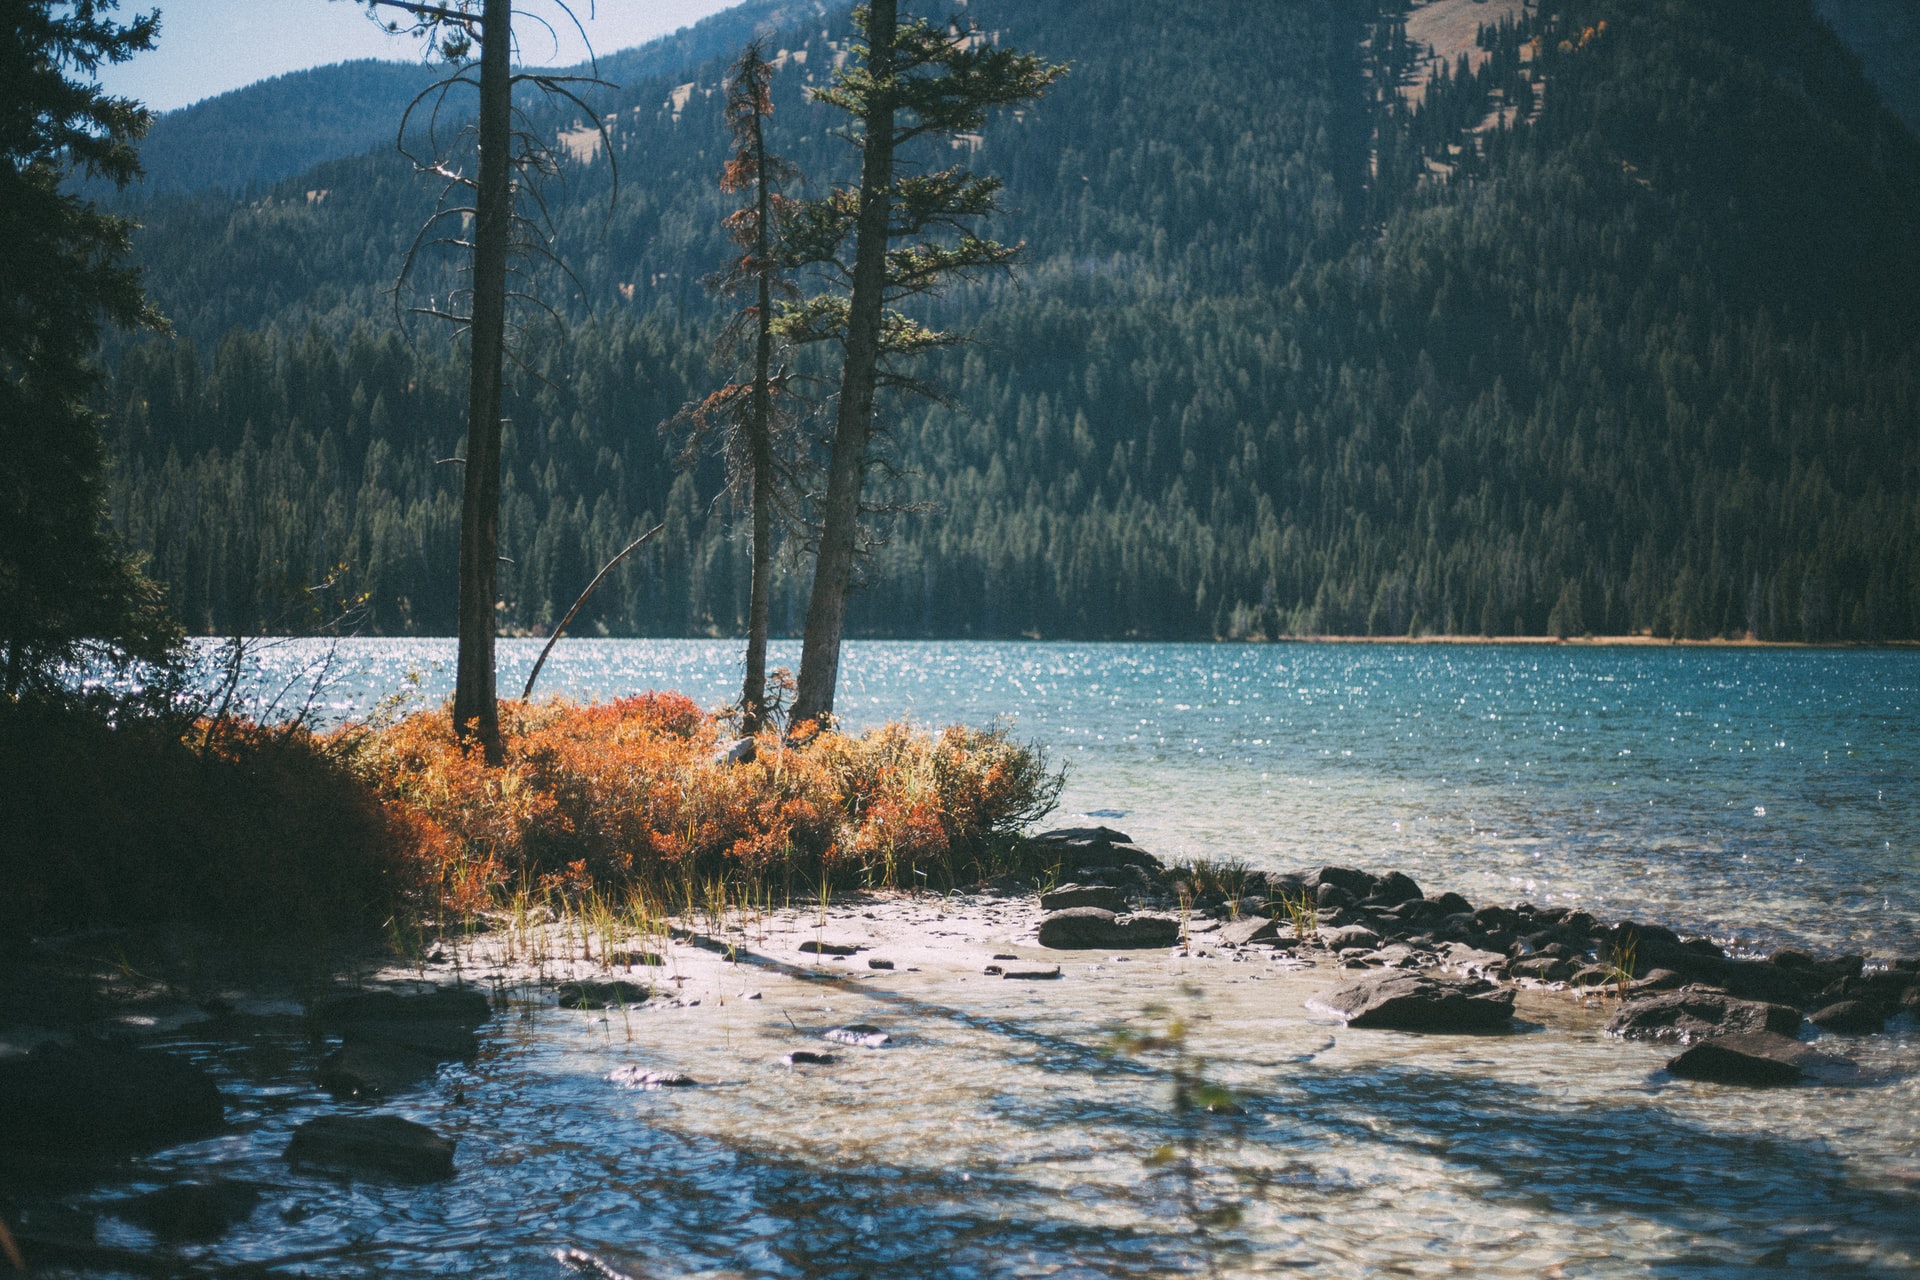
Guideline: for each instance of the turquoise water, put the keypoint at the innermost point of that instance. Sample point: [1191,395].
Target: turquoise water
[1762,796]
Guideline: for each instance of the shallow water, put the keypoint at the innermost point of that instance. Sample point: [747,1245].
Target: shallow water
[1762,796]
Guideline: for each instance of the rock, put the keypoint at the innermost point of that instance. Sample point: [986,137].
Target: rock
[1755,1058]
[1032,975]
[105,1096]
[439,1024]
[1105,897]
[1452,904]
[1849,1017]
[1762,980]
[633,1077]
[1355,884]
[385,1146]
[815,947]
[807,1057]
[1692,1013]
[1419,1002]
[197,1211]
[1594,975]
[1238,933]
[374,1070]
[1082,836]
[1655,980]
[1542,968]
[1348,937]
[1396,886]
[862,1035]
[1331,897]
[602,995]
[1471,960]
[1083,928]
[739,751]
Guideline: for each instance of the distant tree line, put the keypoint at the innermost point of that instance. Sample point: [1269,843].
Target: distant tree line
[1615,332]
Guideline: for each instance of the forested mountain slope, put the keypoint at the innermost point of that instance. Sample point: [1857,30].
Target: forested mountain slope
[1616,329]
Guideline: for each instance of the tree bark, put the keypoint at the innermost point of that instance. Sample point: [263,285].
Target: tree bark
[476,711]
[853,426]
[753,695]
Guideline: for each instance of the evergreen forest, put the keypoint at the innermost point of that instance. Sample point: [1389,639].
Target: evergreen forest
[1609,324]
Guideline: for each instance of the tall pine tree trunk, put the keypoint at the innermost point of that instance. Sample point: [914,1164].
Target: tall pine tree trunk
[847,470]
[753,697]
[476,712]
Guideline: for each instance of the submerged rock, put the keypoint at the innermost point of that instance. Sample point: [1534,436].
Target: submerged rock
[197,1211]
[438,1024]
[1032,975]
[1083,928]
[374,1070]
[602,995]
[384,1146]
[1419,1002]
[1694,1013]
[1849,1017]
[641,1078]
[1755,1058]
[863,1035]
[808,1057]
[104,1095]
[814,947]
[1106,897]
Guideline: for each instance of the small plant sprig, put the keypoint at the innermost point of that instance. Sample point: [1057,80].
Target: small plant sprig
[1622,961]
[1301,914]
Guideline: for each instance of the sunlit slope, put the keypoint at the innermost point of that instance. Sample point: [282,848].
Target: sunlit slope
[1615,330]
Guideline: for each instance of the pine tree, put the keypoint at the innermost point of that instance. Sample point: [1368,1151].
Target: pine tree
[66,587]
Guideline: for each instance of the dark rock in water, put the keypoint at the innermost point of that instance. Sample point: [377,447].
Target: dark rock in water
[1849,1017]
[1419,1002]
[1910,1000]
[1655,980]
[1238,933]
[101,1095]
[1353,935]
[438,1024]
[1452,904]
[876,962]
[1542,968]
[1331,896]
[374,1070]
[602,995]
[1105,897]
[1756,1058]
[863,1035]
[191,1211]
[467,1005]
[1032,975]
[1695,1014]
[1082,928]
[807,1057]
[1082,835]
[1355,884]
[640,1078]
[817,948]
[383,1146]
[1397,886]
[1762,980]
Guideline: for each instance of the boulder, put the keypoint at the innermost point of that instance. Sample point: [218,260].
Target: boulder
[382,1146]
[1419,1002]
[602,995]
[815,947]
[191,1211]
[1355,884]
[103,1095]
[1103,896]
[374,1070]
[1349,936]
[1693,1013]
[1543,968]
[1083,928]
[1471,960]
[1396,886]
[1238,933]
[438,1024]
[1753,1058]
[1849,1017]
[641,1078]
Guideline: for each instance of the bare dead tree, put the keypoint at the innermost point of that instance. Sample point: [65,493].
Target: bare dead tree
[497,218]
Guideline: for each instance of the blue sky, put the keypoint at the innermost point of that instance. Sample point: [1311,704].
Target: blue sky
[210,46]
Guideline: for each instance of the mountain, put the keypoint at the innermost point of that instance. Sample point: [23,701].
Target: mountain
[1471,318]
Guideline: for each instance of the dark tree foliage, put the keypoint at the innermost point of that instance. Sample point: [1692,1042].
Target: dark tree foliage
[1617,332]
[66,586]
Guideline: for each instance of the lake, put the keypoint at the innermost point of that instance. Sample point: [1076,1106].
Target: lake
[1762,796]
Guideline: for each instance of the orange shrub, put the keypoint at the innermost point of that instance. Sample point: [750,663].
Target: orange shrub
[605,793]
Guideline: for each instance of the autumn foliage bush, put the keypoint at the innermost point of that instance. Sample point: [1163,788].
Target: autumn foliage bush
[634,790]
